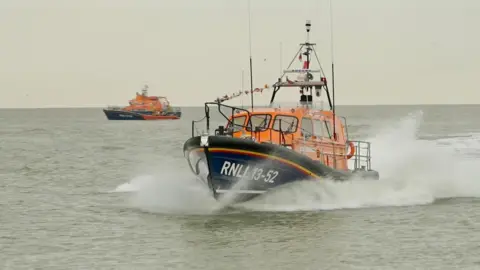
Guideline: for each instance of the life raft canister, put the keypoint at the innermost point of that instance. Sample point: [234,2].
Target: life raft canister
[352,150]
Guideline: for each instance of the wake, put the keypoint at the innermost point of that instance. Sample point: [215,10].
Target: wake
[412,172]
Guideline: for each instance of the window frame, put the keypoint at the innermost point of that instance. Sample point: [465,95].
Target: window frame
[311,132]
[266,126]
[295,119]
[232,123]
[319,127]
[329,127]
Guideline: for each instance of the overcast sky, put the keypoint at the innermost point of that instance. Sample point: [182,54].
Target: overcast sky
[100,52]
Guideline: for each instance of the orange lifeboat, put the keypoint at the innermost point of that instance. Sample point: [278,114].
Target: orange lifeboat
[262,149]
[145,107]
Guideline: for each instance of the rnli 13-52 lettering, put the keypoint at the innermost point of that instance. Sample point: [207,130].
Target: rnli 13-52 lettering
[242,171]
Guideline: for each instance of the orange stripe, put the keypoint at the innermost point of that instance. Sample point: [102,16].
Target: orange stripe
[263,155]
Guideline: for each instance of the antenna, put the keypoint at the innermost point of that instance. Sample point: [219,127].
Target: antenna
[308,25]
[281,55]
[243,80]
[250,44]
[333,69]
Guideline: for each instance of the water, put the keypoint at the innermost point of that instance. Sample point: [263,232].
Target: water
[80,192]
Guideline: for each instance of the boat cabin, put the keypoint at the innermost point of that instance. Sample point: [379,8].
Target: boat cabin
[299,129]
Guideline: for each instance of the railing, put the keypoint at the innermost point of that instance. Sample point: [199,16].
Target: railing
[194,127]
[207,116]
[361,160]
[336,152]
[175,109]
[117,108]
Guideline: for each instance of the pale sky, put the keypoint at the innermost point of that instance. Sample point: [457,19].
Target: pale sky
[63,53]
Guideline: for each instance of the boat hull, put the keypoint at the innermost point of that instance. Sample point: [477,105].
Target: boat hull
[127,115]
[248,169]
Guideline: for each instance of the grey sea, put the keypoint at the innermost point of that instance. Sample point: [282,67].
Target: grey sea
[80,192]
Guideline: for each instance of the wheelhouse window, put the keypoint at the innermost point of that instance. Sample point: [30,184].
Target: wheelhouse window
[307,127]
[259,122]
[319,128]
[285,123]
[238,123]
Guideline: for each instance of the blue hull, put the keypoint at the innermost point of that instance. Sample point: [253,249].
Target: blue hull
[137,115]
[248,169]
[122,115]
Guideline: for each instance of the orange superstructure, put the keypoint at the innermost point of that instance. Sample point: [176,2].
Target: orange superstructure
[300,129]
[148,103]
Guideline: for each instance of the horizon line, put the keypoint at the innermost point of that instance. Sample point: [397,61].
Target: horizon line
[200,106]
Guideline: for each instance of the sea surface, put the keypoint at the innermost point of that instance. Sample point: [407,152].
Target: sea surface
[80,192]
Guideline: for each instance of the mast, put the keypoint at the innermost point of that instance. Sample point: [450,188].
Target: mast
[305,78]
[333,70]
[145,90]
[243,80]
[281,55]
[250,45]
[308,26]
[243,87]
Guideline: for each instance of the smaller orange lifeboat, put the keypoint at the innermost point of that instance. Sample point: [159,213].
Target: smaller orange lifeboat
[145,107]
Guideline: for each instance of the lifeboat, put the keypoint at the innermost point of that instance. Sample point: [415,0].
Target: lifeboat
[144,107]
[262,149]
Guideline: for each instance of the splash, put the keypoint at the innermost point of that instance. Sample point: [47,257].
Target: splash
[412,171]
[135,184]
[244,183]
[169,192]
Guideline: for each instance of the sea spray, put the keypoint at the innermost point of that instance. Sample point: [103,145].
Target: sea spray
[412,172]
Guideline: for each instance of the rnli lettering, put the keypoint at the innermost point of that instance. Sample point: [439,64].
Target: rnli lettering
[234,169]
[241,171]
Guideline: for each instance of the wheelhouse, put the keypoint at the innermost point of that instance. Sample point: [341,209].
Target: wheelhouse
[284,126]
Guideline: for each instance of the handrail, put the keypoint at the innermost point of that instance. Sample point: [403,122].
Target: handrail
[361,159]
[344,125]
[193,124]
[219,105]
